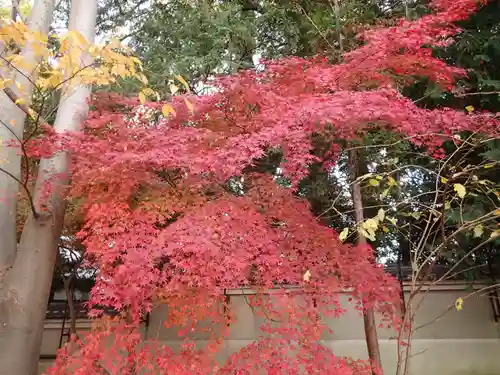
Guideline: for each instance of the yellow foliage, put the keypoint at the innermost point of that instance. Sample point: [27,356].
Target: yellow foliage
[459,303]
[167,110]
[460,190]
[75,62]
[343,235]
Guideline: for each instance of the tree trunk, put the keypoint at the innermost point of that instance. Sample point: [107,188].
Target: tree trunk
[369,314]
[70,297]
[27,284]
[12,120]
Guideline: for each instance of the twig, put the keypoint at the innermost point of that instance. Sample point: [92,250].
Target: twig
[36,215]
[453,306]
[477,93]
[23,107]
[16,9]
[316,27]
[21,73]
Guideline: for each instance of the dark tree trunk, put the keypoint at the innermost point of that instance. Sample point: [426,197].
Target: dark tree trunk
[369,314]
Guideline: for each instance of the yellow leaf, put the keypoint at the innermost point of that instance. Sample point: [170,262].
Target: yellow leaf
[384,193]
[497,212]
[385,229]
[167,109]
[343,235]
[489,165]
[174,89]
[369,233]
[478,231]
[148,91]
[392,220]
[307,276]
[373,182]
[459,303]
[4,83]
[142,97]
[370,224]
[183,81]
[447,205]
[469,108]
[381,214]
[143,79]
[189,105]
[460,189]
[114,43]
[18,85]
[392,181]
[444,180]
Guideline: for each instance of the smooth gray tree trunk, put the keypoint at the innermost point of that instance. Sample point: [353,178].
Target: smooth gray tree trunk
[12,120]
[27,284]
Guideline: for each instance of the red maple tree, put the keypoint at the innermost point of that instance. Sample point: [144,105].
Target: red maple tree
[163,228]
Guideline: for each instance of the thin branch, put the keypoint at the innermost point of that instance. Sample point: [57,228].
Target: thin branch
[477,93]
[316,27]
[21,73]
[11,131]
[36,215]
[453,306]
[23,107]
[16,9]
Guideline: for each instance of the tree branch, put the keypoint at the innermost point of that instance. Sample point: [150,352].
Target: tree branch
[36,215]
[16,10]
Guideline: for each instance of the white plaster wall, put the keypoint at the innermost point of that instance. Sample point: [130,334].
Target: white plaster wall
[465,342]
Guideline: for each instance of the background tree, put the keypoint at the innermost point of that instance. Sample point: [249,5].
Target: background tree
[69,65]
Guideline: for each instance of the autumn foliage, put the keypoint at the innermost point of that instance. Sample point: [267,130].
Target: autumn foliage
[163,226]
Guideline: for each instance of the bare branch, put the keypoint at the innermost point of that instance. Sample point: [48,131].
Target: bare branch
[36,215]
[16,10]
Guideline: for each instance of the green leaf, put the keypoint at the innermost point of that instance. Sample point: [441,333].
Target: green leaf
[373,182]
[460,190]
[484,58]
